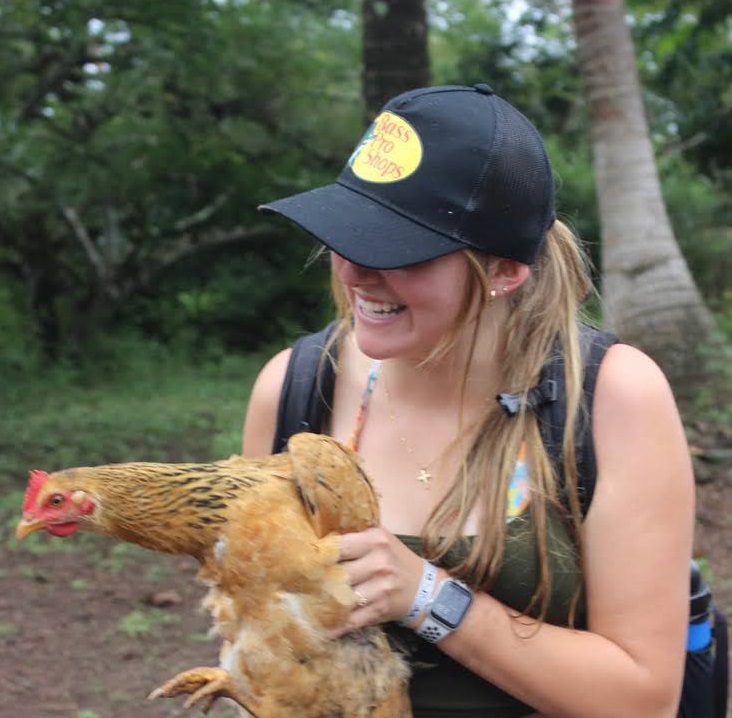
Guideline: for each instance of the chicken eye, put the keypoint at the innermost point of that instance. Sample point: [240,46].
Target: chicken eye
[56,500]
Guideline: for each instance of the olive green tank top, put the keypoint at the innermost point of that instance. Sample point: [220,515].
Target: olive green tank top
[441,687]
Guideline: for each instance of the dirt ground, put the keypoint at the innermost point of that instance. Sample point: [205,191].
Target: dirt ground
[89,627]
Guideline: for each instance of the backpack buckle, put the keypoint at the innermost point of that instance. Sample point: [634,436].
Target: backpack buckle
[545,392]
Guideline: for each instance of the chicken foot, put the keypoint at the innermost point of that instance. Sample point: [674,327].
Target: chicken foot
[206,684]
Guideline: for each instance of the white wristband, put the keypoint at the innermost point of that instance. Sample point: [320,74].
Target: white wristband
[423,595]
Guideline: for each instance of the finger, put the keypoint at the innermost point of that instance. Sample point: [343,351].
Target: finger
[353,546]
[344,547]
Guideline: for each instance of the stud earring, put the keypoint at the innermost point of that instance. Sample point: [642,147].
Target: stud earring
[493,293]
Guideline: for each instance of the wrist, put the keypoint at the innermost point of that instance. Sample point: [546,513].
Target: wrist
[425,590]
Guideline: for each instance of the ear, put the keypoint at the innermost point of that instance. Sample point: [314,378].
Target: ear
[507,275]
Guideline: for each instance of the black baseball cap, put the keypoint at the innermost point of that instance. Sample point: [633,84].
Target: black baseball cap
[439,170]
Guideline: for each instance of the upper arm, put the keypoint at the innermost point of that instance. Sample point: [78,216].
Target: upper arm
[639,531]
[261,418]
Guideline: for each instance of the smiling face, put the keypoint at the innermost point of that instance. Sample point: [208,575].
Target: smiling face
[405,312]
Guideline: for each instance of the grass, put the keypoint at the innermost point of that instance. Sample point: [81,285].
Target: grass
[183,415]
[155,408]
[137,624]
[7,630]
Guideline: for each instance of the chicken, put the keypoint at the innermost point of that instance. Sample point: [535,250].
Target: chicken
[265,534]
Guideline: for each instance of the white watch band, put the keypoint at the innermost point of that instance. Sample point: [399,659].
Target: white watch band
[433,629]
[423,595]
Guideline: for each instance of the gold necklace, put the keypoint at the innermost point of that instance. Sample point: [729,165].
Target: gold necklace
[424,475]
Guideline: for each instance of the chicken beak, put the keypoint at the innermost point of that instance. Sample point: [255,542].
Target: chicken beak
[27,526]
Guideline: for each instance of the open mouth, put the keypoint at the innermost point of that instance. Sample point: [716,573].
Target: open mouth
[378,310]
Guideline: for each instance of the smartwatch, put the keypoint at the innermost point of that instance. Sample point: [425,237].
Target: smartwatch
[446,610]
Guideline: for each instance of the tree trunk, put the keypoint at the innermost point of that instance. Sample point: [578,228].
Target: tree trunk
[650,297]
[395,52]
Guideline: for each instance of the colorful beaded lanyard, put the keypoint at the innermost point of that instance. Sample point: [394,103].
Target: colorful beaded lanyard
[355,438]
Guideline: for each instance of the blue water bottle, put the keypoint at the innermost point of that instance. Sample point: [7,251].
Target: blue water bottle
[697,694]
[699,636]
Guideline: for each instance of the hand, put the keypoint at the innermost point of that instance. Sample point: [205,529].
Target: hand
[384,575]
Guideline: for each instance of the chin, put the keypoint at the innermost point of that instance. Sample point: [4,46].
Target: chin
[381,348]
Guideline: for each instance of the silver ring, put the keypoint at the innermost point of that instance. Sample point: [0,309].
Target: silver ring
[361,600]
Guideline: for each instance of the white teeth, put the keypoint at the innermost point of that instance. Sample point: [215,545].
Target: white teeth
[378,309]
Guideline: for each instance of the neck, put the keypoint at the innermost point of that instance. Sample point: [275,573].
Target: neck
[173,508]
[191,535]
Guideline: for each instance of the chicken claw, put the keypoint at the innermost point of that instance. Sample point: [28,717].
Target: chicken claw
[205,684]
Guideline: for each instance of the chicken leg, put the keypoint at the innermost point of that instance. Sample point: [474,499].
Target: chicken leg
[206,684]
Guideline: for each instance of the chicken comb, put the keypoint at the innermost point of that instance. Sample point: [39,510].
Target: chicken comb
[37,480]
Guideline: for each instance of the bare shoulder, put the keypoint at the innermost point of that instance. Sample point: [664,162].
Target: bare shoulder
[628,379]
[635,417]
[261,417]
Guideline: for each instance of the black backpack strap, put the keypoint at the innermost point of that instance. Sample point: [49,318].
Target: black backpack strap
[721,662]
[548,399]
[307,390]
[595,343]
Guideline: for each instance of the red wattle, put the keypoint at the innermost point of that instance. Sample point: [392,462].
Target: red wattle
[63,530]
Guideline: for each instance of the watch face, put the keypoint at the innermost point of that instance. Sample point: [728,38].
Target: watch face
[451,604]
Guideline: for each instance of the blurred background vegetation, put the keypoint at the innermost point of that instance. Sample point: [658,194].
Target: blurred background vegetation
[139,288]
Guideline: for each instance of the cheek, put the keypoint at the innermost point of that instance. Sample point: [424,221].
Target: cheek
[336,262]
[442,292]
[342,269]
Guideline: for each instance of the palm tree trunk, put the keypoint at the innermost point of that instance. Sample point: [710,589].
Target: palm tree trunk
[650,297]
[395,52]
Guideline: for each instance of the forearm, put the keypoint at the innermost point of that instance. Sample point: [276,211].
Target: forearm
[562,672]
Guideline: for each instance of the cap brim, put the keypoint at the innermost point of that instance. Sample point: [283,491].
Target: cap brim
[361,230]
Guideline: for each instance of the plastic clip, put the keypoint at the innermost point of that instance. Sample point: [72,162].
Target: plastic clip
[544,393]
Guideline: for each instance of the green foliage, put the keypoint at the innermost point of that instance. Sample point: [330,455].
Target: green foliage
[576,196]
[524,53]
[119,557]
[137,139]
[138,624]
[137,135]
[156,572]
[19,350]
[686,64]
[700,214]
[8,630]
[131,400]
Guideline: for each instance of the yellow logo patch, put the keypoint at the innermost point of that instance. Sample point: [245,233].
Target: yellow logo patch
[390,151]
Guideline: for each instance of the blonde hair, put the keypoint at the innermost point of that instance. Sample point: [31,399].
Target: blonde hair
[544,310]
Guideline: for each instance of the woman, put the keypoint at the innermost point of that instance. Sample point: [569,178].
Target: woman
[454,280]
